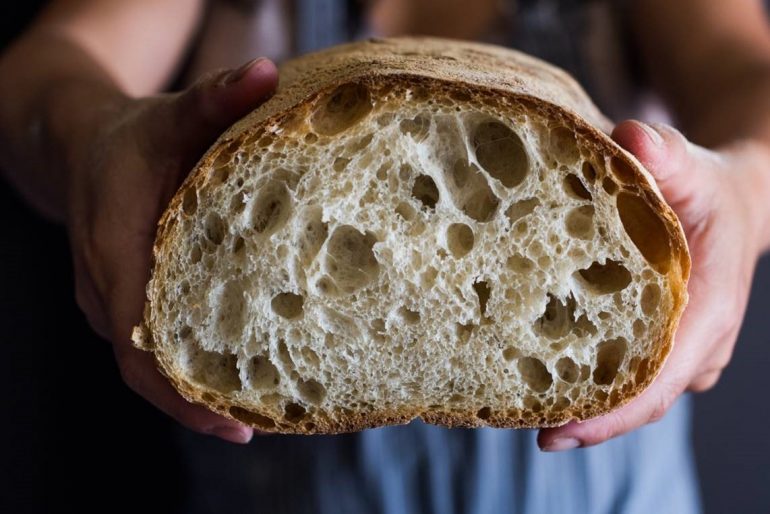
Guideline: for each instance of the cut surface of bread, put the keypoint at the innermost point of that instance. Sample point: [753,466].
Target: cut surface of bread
[416,228]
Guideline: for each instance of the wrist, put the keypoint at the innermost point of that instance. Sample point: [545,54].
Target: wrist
[753,157]
[76,116]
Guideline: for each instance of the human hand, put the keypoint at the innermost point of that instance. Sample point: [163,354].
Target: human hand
[119,187]
[721,200]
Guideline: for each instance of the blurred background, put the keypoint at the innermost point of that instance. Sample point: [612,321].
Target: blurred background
[64,406]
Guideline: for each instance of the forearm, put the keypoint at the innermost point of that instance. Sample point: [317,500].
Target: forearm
[716,79]
[60,96]
[737,120]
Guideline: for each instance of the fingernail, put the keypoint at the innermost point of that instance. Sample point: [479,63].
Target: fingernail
[232,434]
[562,444]
[652,134]
[237,74]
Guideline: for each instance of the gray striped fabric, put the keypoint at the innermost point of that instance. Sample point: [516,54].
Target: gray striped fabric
[423,469]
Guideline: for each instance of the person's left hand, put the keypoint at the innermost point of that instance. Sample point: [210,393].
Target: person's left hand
[721,200]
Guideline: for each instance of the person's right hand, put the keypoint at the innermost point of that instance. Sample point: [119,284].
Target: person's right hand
[119,184]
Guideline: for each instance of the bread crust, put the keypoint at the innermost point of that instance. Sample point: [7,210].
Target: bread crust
[497,74]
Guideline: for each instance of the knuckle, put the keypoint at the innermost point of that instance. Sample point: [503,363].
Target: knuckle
[658,411]
[614,424]
[705,382]
[663,404]
[130,374]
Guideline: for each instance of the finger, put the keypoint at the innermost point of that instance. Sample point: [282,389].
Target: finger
[138,368]
[647,408]
[197,116]
[705,382]
[677,166]
[140,374]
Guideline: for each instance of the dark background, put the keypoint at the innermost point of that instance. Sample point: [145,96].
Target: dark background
[63,405]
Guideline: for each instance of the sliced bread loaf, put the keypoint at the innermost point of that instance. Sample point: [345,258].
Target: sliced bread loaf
[416,227]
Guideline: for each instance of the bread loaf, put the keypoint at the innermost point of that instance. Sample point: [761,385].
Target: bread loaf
[416,228]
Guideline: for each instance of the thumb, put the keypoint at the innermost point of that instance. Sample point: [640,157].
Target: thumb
[680,168]
[193,119]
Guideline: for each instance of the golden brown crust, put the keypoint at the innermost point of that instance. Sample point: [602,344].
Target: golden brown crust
[499,75]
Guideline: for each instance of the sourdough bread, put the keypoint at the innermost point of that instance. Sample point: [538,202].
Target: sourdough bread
[416,228]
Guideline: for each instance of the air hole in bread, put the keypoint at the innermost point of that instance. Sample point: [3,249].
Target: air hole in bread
[417,127]
[311,391]
[195,253]
[238,203]
[460,239]
[622,170]
[378,326]
[219,175]
[650,299]
[520,264]
[556,320]
[230,309]
[211,369]
[406,211]
[500,151]
[185,332]
[310,138]
[535,374]
[606,278]
[345,107]
[579,222]
[463,331]
[288,177]
[238,244]
[609,357]
[215,228]
[284,357]
[262,373]
[511,353]
[382,171]
[294,412]
[359,144]
[405,172]
[425,190]
[310,357]
[311,235]
[472,194]
[190,201]
[287,305]
[519,209]
[350,260]
[561,403]
[265,141]
[251,418]
[428,277]
[589,172]
[563,145]
[483,292]
[639,328]
[642,372]
[609,185]
[271,208]
[408,316]
[646,230]
[484,413]
[567,370]
[326,287]
[575,187]
[340,163]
